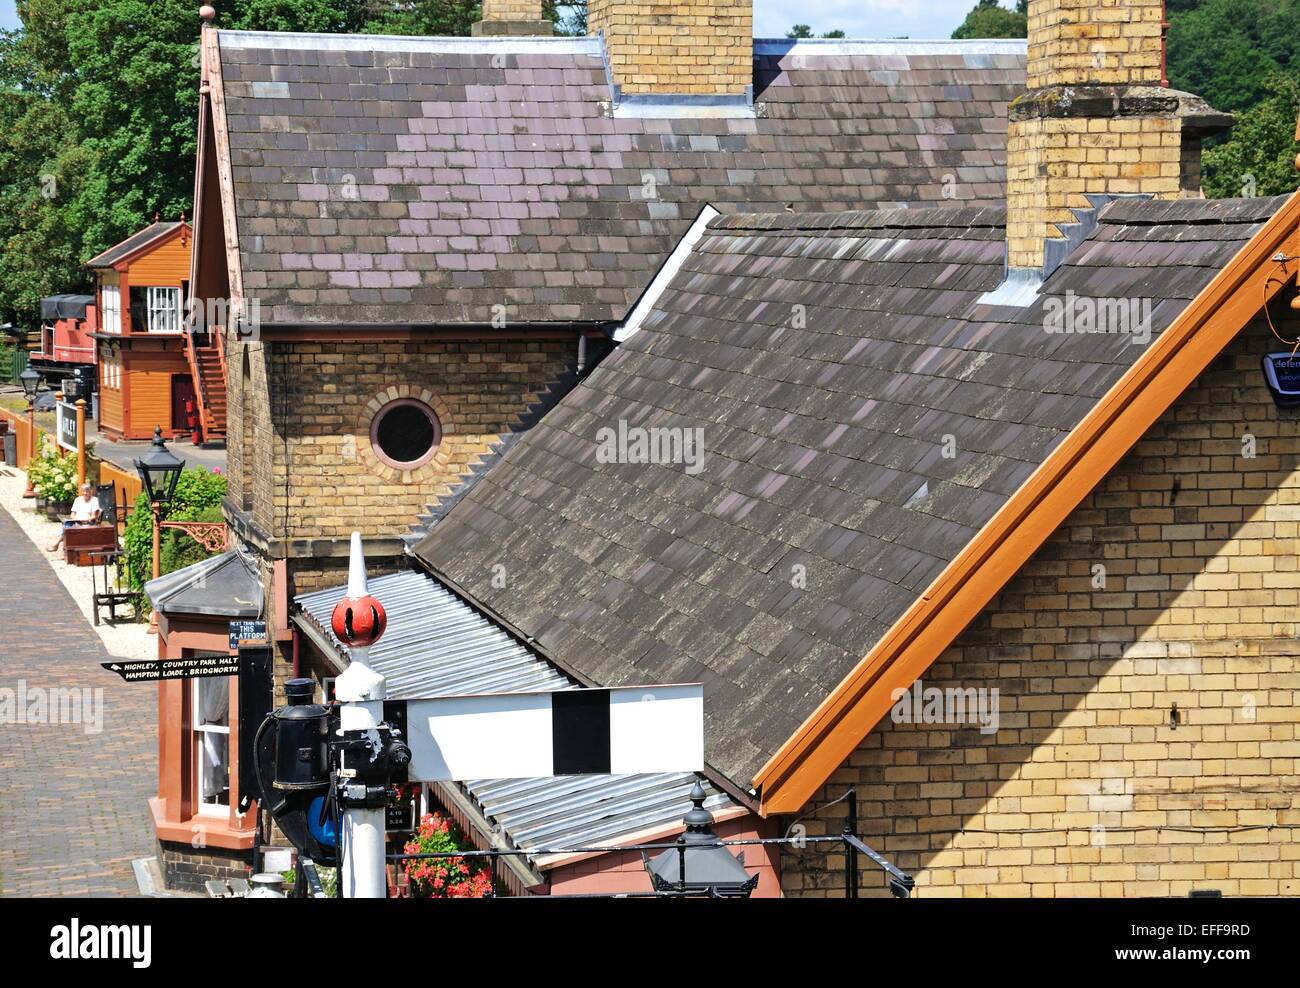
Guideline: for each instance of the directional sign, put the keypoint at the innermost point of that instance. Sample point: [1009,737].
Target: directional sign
[153,670]
[247,632]
[564,732]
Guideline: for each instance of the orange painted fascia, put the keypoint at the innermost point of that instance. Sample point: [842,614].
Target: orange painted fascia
[1034,512]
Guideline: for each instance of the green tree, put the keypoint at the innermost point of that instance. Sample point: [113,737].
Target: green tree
[433,17]
[1258,157]
[800,31]
[990,19]
[1227,50]
[98,118]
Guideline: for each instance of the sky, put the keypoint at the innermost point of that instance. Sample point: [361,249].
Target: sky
[772,18]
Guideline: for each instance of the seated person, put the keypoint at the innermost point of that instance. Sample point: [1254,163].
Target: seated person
[85,511]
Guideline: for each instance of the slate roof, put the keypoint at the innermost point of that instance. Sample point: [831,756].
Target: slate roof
[402,181]
[224,585]
[131,244]
[825,503]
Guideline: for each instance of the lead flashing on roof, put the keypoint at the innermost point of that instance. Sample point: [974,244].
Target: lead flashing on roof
[657,107]
[891,46]
[1018,289]
[666,273]
[233,40]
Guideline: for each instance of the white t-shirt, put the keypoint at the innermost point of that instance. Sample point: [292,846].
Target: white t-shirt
[84,508]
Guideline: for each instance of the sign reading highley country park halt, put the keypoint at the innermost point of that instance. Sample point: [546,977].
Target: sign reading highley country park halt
[195,667]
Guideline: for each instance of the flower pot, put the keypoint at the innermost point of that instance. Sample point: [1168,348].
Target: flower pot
[56,510]
[40,503]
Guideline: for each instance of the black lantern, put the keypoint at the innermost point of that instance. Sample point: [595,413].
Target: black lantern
[31,382]
[159,470]
[700,864]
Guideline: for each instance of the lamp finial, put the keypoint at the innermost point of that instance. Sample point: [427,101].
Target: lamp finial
[358,619]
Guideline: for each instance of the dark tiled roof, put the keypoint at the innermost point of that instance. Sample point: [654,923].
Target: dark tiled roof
[824,438]
[416,181]
[131,244]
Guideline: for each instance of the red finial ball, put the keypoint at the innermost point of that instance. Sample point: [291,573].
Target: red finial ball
[358,620]
[207,12]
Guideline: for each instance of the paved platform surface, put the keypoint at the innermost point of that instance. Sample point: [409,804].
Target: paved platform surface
[124,453]
[73,811]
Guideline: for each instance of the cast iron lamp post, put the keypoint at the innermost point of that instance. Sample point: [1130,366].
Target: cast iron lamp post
[159,470]
[31,381]
[700,864]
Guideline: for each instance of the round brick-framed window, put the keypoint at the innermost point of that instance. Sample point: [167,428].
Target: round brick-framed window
[405,433]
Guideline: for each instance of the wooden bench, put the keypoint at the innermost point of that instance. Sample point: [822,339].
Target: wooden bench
[80,541]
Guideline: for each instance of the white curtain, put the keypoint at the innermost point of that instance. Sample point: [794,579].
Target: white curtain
[213,708]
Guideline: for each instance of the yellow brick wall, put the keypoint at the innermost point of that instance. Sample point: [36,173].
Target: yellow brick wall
[1085,789]
[1095,41]
[308,461]
[680,48]
[512,10]
[1052,162]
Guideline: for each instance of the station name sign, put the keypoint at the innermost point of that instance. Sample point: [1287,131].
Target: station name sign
[66,425]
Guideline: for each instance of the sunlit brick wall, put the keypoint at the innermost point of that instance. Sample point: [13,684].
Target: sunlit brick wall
[1053,162]
[1086,789]
[1095,41]
[680,48]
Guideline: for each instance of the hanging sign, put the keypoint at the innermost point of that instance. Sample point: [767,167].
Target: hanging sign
[194,667]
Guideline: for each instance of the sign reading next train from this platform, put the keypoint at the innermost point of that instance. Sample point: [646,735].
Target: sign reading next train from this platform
[564,732]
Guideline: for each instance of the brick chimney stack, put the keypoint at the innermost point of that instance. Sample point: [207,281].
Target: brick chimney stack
[677,47]
[511,17]
[1097,119]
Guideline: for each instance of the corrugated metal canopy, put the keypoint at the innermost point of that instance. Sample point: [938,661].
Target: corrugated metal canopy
[437,645]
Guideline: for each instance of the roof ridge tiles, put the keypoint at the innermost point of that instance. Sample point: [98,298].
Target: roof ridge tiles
[1135,211]
[937,217]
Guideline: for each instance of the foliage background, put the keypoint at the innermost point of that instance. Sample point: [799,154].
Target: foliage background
[198,498]
[1242,56]
[98,108]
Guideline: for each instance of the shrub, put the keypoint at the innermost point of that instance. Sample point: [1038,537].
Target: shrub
[444,878]
[54,477]
[177,549]
[198,498]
